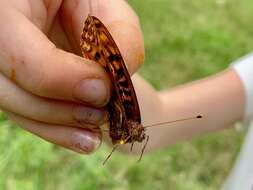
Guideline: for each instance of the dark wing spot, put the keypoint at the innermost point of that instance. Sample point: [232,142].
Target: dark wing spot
[87,22]
[115,57]
[128,106]
[120,72]
[85,29]
[98,25]
[127,92]
[123,83]
[97,56]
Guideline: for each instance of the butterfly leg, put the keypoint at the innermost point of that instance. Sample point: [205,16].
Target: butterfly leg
[107,158]
[132,145]
[142,151]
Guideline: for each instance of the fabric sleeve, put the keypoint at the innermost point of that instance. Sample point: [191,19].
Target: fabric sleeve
[244,68]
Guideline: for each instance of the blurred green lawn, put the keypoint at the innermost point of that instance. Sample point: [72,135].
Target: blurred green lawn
[185,40]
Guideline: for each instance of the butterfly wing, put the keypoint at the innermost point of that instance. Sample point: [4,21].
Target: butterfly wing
[97,44]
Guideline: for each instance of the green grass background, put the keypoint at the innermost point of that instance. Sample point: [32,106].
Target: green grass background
[185,40]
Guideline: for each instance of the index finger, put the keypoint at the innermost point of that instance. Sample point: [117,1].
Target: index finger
[34,63]
[119,19]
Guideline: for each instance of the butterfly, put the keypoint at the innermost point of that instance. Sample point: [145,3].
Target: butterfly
[98,45]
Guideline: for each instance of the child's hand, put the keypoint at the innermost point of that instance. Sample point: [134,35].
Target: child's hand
[51,92]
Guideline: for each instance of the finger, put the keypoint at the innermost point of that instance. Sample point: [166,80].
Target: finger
[76,139]
[33,62]
[118,17]
[16,100]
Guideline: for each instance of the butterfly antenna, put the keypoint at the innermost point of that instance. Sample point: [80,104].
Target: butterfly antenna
[174,121]
[144,147]
[107,158]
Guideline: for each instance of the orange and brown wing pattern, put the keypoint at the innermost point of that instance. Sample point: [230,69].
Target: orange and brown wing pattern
[97,44]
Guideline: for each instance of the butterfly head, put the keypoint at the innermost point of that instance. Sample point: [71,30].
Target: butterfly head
[136,131]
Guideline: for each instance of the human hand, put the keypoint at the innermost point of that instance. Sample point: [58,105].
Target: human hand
[44,86]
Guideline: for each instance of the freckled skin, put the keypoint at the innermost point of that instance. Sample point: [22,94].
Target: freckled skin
[13,75]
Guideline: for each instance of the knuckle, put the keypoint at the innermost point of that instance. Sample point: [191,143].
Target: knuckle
[40,83]
[45,82]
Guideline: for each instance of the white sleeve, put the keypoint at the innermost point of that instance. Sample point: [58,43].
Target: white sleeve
[244,68]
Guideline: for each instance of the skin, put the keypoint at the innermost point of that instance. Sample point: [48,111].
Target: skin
[219,98]
[45,85]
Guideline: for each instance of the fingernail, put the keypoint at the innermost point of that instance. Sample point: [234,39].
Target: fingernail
[88,115]
[85,142]
[92,91]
